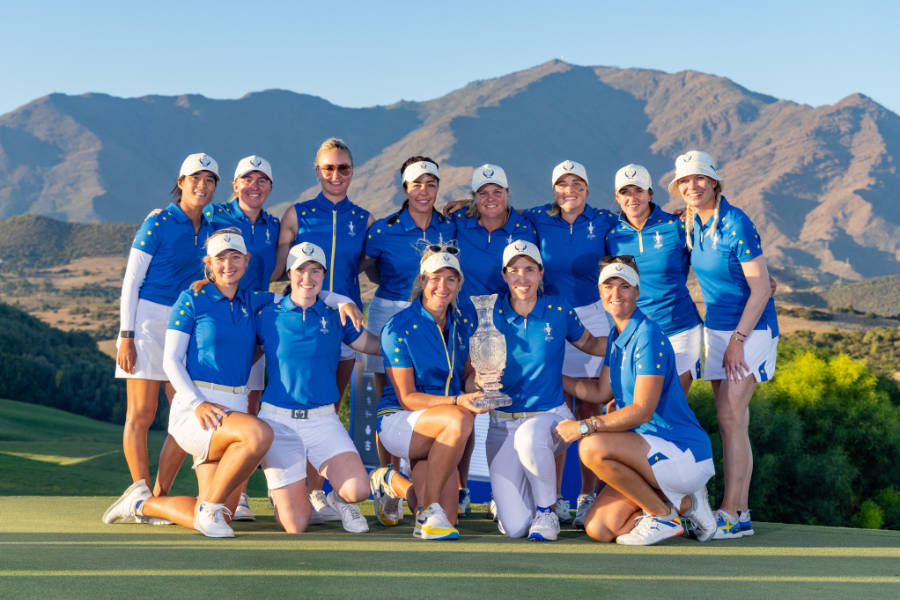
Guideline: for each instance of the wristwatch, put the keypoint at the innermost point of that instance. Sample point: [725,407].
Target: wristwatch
[583,428]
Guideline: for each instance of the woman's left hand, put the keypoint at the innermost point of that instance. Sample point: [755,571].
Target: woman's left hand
[352,312]
[210,415]
[568,430]
[733,361]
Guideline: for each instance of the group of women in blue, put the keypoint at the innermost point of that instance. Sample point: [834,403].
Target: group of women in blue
[429,389]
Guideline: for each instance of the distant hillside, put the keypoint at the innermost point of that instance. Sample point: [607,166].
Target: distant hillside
[39,242]
[879,295]
[820,182]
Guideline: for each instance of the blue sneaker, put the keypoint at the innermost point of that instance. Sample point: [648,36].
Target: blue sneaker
[745,522]
[727,526]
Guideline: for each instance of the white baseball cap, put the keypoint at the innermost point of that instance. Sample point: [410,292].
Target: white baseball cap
[488,173]
[566,167]
[417,169]
[633,174]
[694,162]
[200,161]
[253,163]
[225,241]
[521,248]
[304,252]
[620,270]
[438,261]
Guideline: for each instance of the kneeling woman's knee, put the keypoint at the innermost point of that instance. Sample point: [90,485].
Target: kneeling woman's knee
[598,531]
[459,423]
[592,451]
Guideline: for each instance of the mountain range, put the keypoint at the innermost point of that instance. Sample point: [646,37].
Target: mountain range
[817,181]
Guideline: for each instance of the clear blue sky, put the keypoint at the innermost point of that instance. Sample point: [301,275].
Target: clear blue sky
[367,53]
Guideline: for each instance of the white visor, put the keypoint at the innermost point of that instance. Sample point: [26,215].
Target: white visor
[439,261]
[620,270]
[416,170]
[226,241]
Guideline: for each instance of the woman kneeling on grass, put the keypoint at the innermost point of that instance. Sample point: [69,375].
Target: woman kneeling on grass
[208,353]
[649,448]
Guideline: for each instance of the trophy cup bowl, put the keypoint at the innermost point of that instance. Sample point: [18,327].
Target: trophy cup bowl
[487,352]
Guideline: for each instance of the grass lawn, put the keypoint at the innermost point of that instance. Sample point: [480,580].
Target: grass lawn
[53,545]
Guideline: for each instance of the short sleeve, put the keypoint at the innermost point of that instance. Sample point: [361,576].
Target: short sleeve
[394,346]
[259,299]
[148,237]
[182,316]
[374,240]
[651,354]
[742,237]
[349,332]
[574,327]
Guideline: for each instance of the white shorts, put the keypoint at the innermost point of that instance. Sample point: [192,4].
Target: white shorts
[150,324]
[257,379]
[299,440]
[760,352]
[678,474]
[186,429]
[688,346]
[577,363]
[380,312]
[396,431]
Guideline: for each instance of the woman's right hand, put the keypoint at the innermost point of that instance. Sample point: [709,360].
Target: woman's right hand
[454,205]
[210,415]
[126,357]
[467,402]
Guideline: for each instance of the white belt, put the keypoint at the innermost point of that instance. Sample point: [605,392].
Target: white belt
[239,389]
[299,413]
[499,414]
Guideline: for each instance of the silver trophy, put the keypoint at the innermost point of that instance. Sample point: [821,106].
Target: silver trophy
[487,351]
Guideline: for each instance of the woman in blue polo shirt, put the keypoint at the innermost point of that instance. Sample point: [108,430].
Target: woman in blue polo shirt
[424,414]
[656,239]
[520,446]
[165,258]
[570,236]
[740,332]
[302,339]
[209,347]
[338,226]
[393,247]
[649,448]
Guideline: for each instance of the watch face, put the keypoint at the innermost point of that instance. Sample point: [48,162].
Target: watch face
[583,428]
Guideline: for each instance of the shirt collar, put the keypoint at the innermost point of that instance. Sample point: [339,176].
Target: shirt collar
[653,217]
[724,209]
[287,305]
[177,213]
[622,339]
[511,315]
[234,207]
[322,202]
[424,314]
[406,221]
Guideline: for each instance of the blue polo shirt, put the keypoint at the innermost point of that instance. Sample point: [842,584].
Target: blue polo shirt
[572,253]
[481,252]
[261,239]
[223,332]
[535,348]
[302,353]
[661,253]
[177,253]
[717,257]
[340,230]
[412,339]
[643,349]
[397,243]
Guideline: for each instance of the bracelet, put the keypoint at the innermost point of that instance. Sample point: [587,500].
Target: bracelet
[126,334]
[594,425]
[456,400]
[738,337]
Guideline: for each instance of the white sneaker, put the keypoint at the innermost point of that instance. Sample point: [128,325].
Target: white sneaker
[351,518]
[701,516]
[321,511]
[242,511]
[388,507]
[432,524]
[209,519]
[651,529]
[492,509]
[585,501]
[745,523]
[151,520]
[123,509]
[544,526]
[465,502]
[561,508]
[727,526]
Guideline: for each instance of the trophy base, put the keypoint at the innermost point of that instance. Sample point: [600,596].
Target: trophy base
[492,400]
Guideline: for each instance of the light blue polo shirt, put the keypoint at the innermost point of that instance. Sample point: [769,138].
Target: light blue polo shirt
[223,332]
[643,349]
[481,252]
[397,243]
[177,253]
[302,353]
[661,253]
[717,257]
[412,339]
[535,348]
[572,253]
[340,231]
[261,239]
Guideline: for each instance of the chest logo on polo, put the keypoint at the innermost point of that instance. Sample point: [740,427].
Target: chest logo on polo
[548,332]
[509,239]
[268,236]
[591,235]
[324,322]
[244,310]
[351,229]
[657,240]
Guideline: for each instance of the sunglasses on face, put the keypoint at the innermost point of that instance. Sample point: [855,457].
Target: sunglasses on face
[342,169]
